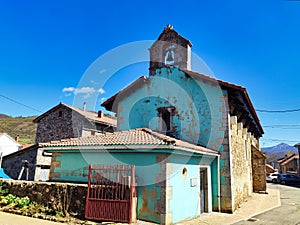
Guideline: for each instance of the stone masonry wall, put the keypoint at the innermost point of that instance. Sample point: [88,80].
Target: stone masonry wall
[62,197]
[241,162]
[258,170]
[59,124]
[225,175]
[37,164]
[13,163]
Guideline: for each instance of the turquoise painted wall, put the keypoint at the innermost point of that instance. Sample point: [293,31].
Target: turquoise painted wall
[74,167]
[198,118]
[192,160]
[184,203]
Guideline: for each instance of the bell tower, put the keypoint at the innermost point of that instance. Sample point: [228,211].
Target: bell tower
[170,49]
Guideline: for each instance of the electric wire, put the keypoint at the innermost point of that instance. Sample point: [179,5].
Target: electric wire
[278,111]
[19,103]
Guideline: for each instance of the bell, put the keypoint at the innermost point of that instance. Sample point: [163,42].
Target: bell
[169,56]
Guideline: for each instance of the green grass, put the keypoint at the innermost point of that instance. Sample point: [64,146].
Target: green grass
[22,126]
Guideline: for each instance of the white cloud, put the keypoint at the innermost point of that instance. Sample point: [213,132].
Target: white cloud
[87,91]
[101,91]
[68,89]
[84,90]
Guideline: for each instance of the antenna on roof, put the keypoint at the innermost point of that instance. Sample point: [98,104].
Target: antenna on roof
[84,106]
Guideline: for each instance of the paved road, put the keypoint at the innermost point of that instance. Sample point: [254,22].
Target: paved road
[288,213]
[12,219]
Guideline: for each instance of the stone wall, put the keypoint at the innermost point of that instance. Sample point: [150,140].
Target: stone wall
[58,124]
[225,172]
[258,170]
[63,122]
[241,143]
[240,146]
[13,163]
[64,197]
[38,164]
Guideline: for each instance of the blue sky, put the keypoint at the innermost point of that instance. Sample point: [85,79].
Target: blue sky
[46,47]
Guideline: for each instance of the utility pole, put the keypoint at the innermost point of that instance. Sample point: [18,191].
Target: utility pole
[298,146]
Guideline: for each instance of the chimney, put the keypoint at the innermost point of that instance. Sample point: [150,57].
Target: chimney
[17,138]
[100,114]
[84,106]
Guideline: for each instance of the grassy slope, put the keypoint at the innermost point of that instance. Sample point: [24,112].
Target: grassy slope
[22,126]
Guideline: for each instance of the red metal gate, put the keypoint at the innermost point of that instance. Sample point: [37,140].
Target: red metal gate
[110,193]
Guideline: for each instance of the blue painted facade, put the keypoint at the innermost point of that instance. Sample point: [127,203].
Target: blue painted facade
[198,114]
[197,119]
[153,178]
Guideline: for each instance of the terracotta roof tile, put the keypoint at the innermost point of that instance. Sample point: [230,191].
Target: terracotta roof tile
[138,138]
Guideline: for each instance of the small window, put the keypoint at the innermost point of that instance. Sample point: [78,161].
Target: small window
[165,115]
[184,173]
[60,113]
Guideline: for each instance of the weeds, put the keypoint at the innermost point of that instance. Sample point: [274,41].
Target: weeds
[24,206]
[3,189]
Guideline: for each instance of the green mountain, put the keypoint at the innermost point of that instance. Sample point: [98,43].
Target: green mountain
[22,126]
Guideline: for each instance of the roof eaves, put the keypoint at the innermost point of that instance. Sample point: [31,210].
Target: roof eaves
[108,104]
[227,85]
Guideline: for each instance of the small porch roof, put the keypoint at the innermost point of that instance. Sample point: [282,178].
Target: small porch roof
[141,138]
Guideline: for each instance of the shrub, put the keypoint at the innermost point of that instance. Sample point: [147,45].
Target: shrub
[21,202]
[8,199]
[3,189]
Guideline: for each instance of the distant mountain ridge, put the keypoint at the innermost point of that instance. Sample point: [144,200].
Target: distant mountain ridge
[4,116]
[278,151]
[282,147]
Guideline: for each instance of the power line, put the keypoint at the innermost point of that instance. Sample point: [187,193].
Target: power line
[290,126]
[19,103]
[283,125]
[278,111]
[280,140]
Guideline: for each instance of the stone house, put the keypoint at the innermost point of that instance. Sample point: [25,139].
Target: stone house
[194,139]
[30,163]
[298,147]
[64,121]
[8,145]
[289,164]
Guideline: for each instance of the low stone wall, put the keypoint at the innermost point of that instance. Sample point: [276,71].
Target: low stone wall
[65,197]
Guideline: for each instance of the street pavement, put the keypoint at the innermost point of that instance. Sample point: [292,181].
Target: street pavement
[288,213]
[12,219]
[255,204]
